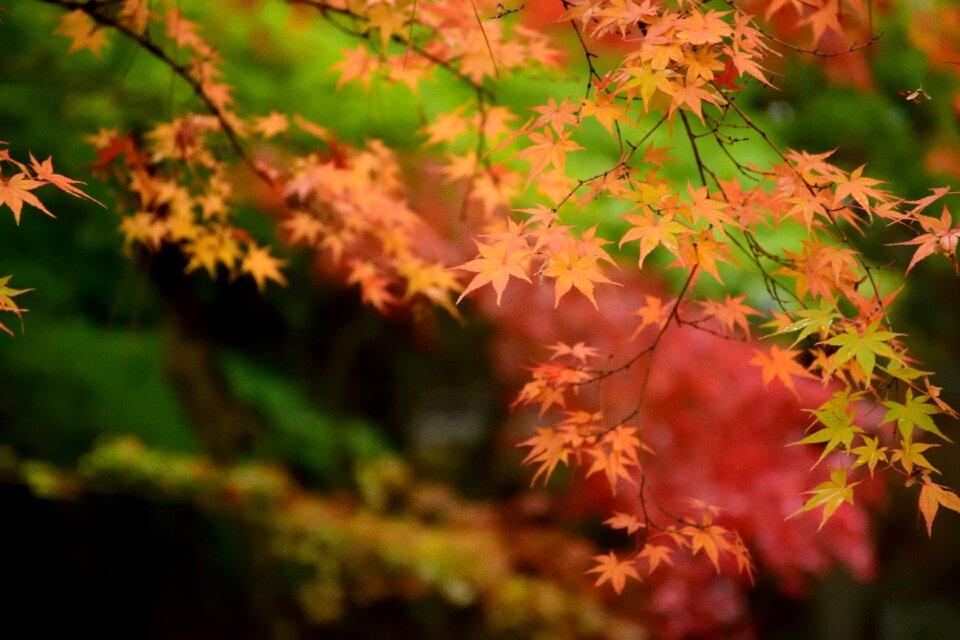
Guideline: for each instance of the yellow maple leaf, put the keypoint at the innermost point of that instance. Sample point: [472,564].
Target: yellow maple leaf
[262,266]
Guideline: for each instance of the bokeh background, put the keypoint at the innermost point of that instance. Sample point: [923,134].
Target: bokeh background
[187,458]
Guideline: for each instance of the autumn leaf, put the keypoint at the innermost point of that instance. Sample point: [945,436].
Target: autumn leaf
[83,31]
[730,313]
[496,264]
[574,271]
[615,454]
[624,521]
[7,303]
[810,321]
[655,554]
[865,347]
[653,231]
[262,266]
[708,538]
[612,570]
[44,171]
[838,427]
[579,351]
[870,453]
[548,448]
[829,495]
[939,238]
[549,149]
[16,191]
[653,313]
[859,188]
[558,116]
[915,412]
[605,110]
[271,125]
[780,364]
[910,456]
[932,497]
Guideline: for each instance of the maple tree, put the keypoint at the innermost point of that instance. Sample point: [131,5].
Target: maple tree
[574,193]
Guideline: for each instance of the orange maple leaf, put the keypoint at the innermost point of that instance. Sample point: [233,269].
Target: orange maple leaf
[548,149]
[612,570]
[709,538]
[44,171]
[652,231]
[730,313]
[15,191]
[495,265]
[780,364]
[656,554]
[83,31]
[574,271]
[932,497]
[626,521]
[549,448]
[939,238]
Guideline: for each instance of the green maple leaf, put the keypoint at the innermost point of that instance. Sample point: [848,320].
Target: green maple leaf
[829,495]
[865,348]
[915,413]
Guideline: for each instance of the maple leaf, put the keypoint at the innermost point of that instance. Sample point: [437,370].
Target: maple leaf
[604,109]
[709,538]
[656,554]
[44,171]
[617,450]
[704,28]
[811,320]
[356,64]
[742,555]
[932,497]
[549,149]
[911,456]
[780,364]
[558,116]
[939,238]
[579,351]
[829,495]
[825,18]
[612,570]
[624,521]
[271,124]
[447,127]
[653,312]
[864,348]
[859,188]
[15,191]
[703,207]
[870,453]
[692,95]
[838,428]
[7,303]
[730,313]
[574,271]
[653,231]
[83,31]
[495,265]
[648,80]
[549,448]
[303,227]
[386,18]
[262,266]
[915,412]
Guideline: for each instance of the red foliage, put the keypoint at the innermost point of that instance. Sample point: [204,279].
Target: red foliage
[719,435]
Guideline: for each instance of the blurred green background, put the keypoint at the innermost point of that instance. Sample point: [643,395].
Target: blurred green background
[307,381]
